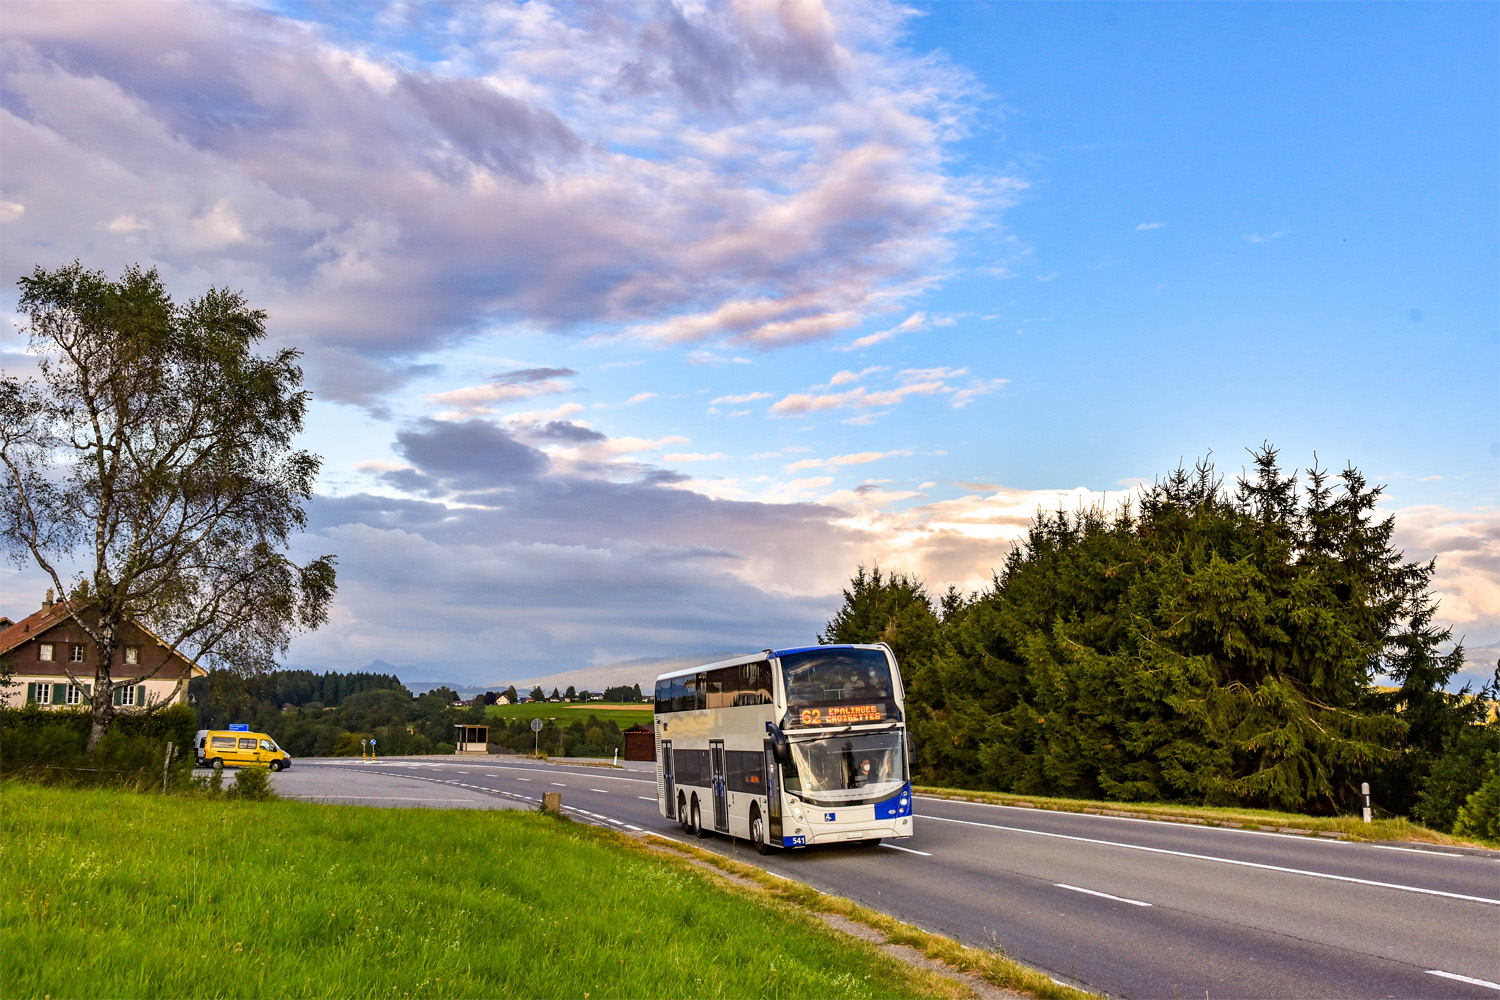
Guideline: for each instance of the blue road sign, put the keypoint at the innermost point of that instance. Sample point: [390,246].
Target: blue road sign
[239,727]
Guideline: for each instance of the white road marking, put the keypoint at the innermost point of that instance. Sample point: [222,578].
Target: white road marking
[1102,895]
[1413,850]
[523,779]
[1224,861]
[1464,979]
[908,850]
[379,798]
[559,784]
[635,828]
[599,790]
[646,798]
[1306,838]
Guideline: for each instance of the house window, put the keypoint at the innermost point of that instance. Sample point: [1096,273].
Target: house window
[75,694]
[44,694]
[75,655]
[44,652]
[132,654]
[127,695]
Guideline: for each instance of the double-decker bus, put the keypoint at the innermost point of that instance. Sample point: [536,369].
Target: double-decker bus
[786,748]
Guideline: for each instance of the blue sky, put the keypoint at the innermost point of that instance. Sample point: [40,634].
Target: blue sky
[634,329]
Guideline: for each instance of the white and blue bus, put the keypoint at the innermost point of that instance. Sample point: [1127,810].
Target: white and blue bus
[786,748]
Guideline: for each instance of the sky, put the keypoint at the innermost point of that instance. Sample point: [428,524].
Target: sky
[633,330]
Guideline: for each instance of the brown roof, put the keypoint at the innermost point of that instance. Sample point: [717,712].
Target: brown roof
[35,624]
[32,625]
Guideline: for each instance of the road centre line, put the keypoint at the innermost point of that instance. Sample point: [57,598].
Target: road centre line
[558,784]
[1463,979]
[599,790]
[1102,895]
[646,798]
[523,779]
[1225,861]
[908,850]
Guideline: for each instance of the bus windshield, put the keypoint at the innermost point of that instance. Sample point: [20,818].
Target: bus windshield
[858,767]
[838,685]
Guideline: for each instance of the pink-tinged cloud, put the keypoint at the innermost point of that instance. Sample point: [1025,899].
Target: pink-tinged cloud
[766,173]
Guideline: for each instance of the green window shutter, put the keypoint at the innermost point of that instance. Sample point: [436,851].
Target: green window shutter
[59,694]
[140,695]
[117,695]
[30,693]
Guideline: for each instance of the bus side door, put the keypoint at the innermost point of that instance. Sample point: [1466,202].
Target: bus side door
[773,795]
[721,792]
[669,778]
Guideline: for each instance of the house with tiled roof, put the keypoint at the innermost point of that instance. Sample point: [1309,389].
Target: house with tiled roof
[40,651]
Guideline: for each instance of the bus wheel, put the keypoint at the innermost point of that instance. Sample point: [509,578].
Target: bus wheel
[682,813]
[871,842]
[698,820]
[758,832]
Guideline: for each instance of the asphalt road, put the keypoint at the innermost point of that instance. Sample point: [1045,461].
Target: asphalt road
[1128,908]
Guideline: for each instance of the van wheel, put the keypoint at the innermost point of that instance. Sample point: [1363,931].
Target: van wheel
[275,766]
[758,831]
[216,764]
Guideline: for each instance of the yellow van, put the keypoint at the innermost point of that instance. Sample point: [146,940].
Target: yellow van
[240,748]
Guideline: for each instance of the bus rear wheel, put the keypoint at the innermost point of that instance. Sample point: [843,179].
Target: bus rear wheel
[758,832]
[682,813]
[698,830]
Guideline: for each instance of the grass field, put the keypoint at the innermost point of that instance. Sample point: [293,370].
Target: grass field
[117,894]
[624,716]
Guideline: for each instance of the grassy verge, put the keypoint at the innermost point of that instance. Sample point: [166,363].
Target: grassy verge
[991,966]
[624,716]
[1348,827]
[114,894]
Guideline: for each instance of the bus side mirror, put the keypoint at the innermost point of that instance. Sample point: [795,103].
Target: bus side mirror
[781,747]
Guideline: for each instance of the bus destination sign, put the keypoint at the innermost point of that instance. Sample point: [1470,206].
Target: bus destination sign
[837,715]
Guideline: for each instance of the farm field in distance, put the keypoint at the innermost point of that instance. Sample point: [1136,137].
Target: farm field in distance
[282,898]
[624,715]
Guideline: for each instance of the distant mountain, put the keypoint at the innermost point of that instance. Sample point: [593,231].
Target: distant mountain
[642,671]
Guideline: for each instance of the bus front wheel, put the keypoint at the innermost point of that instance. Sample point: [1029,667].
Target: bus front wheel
[682,813]
[758,831]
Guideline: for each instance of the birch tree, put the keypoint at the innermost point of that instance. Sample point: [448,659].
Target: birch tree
[150,472]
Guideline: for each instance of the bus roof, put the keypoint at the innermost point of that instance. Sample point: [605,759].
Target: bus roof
[762,655]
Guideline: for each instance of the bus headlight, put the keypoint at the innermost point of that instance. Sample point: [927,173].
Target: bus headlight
[797,811]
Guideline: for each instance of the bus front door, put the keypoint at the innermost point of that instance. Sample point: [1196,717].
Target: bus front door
[721,795]
[773,796]
[668,779]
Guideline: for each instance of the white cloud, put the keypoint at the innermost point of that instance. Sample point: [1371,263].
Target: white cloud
[640,397]
[748,397]
[1143,227]
[1266,237]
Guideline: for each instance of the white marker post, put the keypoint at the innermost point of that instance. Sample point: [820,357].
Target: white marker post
[1364,790]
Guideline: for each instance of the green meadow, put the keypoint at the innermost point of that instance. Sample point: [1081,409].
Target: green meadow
[624,716]
[118,894]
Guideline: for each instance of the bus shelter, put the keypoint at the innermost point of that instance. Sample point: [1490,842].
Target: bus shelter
[471,739]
